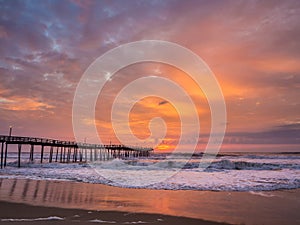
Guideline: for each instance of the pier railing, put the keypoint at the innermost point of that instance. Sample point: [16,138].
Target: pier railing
[69,151]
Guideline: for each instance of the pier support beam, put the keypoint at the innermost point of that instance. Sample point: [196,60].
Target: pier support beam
[42,153]
[19,155]
[95,154]
[51,153]
[5,154]
[56,157]
[31,153]
[80,154]
[2,146]
[68,154]
[64,155]
[61,154]
[75,154]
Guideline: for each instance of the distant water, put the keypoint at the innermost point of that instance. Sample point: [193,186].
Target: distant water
[228,172]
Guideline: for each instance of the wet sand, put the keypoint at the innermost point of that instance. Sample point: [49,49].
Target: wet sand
[26,214]
[269,208]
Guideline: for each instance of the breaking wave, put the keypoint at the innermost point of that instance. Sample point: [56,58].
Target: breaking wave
[225,173]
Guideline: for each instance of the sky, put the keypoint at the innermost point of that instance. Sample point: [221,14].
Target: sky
[252,47]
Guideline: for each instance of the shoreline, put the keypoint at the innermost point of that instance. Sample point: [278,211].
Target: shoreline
[29,214]
[269,207]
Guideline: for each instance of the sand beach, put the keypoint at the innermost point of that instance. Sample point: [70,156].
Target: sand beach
[47,201]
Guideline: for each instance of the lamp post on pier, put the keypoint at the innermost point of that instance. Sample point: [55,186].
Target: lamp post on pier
[10,130]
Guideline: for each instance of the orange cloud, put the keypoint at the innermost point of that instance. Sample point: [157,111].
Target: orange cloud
[15,103]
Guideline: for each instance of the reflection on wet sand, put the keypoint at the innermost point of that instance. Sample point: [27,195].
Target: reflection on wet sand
[231,207]
[62,194]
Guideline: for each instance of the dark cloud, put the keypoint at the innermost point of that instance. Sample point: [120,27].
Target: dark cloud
[284,134]
[163,102]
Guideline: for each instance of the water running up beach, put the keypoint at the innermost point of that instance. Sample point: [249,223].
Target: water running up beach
[228,172]
[235,188]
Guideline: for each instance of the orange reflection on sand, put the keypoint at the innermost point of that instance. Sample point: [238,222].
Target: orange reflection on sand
[231,207]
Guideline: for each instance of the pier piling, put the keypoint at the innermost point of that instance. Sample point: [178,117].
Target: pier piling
[19,155]
[2,145]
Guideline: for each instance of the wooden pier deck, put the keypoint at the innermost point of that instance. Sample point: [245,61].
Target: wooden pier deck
[68,151]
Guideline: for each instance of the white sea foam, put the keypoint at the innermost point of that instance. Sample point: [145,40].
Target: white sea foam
[136,222]
[256,172]
[101,221]
[32,219]
[264,194]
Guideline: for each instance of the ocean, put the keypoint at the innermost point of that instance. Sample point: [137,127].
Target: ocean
[252,172]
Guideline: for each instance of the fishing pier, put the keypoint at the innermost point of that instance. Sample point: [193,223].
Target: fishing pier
[67,151]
